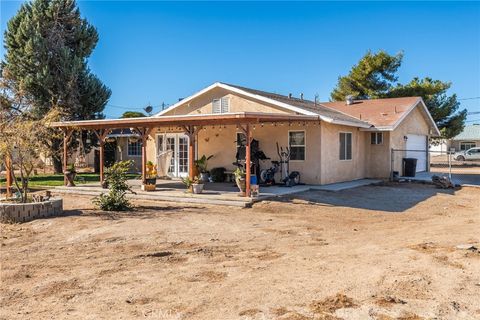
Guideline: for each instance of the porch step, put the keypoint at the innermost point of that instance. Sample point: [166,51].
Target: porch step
[182,198]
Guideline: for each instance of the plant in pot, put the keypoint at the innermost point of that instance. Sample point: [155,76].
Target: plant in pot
[202,166]
[193,186]
[150,182]
[240,180]
[70,174]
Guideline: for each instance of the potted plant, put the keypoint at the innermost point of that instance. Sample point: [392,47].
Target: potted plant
[150,182]
[70,173]
[193,185]
[202,166]
[240,180]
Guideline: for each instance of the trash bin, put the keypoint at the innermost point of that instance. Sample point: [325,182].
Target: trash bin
[409,167]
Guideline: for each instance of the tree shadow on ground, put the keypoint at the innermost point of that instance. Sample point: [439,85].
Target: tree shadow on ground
[389,198]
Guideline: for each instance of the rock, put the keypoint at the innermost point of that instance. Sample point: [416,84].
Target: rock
[469,247]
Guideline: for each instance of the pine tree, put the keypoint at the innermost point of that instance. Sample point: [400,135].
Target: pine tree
[47,46]
[375,77]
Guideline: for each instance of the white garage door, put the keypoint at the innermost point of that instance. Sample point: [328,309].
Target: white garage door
[417,148]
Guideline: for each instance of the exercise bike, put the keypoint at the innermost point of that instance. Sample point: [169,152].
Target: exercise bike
[267,176]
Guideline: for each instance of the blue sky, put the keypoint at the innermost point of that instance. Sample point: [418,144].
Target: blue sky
[154,52]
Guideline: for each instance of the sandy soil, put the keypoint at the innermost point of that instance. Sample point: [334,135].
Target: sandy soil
[378,252]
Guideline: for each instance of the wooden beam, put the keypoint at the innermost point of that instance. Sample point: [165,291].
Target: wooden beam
[101,135]
[67,133]
[8,167]
[247,161]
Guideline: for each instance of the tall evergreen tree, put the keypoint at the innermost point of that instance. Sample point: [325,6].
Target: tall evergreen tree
[375,77]
[47,46]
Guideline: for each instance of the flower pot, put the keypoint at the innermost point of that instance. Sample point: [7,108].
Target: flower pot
[197,188]
[204,177]
[241,184]
[151,181]
[70,178]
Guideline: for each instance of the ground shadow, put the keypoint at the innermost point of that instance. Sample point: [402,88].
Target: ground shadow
[389,198]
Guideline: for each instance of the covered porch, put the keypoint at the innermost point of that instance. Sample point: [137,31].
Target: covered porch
[148,130]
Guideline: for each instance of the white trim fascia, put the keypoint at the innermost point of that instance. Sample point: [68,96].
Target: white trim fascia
[264,99]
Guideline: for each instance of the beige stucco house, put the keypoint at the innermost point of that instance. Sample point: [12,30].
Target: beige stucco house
[330,142]
[347,142]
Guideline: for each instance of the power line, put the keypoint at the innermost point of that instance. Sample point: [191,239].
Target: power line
[472,98]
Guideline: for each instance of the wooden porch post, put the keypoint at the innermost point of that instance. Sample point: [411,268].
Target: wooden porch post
[8,165]
[247,161]
[66,137]
[101,135]
[191,132]
[144,132]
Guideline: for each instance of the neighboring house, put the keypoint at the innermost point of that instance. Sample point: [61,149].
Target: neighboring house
[469,138]
[350,141]
[330,142]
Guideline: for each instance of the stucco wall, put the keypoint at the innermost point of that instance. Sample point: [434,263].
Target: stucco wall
[414,123]
[456,143]
[378,157]
[221,144]
[203,104]
[334,169]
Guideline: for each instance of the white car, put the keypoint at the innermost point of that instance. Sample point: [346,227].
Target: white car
[470,154]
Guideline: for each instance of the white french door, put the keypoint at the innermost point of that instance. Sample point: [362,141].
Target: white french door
[178,144]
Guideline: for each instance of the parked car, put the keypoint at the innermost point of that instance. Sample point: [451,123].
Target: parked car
[470,154]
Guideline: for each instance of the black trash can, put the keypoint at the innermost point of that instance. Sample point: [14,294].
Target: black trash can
[409,167]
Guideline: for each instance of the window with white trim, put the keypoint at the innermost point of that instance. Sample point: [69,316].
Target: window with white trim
[134,148]
[345,146]
[221,105]
[465,145]
[296,143]
[376,138]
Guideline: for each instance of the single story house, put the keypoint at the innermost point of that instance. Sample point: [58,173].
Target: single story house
[329,142]
[468,138]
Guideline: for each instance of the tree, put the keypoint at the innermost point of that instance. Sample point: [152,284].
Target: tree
[133,114]
[47,46]
[443,108]
[372,77]
[375,77]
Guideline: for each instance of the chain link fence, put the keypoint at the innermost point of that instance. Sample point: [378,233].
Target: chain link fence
[430,163]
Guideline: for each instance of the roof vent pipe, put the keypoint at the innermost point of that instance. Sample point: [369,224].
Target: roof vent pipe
[289,96]
[301,96]
[349,100]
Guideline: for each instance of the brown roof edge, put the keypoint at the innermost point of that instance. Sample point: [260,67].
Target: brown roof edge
[183,120]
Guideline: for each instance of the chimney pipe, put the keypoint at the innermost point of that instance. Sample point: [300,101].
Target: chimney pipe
[289,96]
[301,96]
[349,99]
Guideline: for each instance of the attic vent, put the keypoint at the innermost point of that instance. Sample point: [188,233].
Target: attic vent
[349,99]
[221,105]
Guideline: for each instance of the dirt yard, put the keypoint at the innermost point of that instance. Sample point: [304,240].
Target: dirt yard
[378,252]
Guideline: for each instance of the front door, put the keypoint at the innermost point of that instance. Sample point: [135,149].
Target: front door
[178,143]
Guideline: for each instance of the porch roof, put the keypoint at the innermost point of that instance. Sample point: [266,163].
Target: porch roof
[187,120]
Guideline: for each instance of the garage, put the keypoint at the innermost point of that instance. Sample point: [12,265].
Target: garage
[417,148]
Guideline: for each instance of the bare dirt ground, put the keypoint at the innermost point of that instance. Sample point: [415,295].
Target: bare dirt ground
[377,252]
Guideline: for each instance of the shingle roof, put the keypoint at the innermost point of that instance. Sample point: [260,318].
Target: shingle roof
[471,132]
[379,112]
[303,104]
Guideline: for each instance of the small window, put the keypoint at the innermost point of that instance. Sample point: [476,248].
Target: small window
[345,146]
[135,148]
[221,105]
[467,145]
[296,143]
[376,138]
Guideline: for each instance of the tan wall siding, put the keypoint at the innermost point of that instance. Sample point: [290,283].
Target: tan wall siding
[414,123]
[203,104]
[334,169]
[456,144]
[378,157]
[221,144]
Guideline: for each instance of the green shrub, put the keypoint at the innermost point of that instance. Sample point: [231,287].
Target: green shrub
[116,178]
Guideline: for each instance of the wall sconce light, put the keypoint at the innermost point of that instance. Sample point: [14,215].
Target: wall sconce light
[405,138]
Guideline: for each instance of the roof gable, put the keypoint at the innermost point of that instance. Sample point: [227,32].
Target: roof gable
[297,106]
